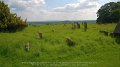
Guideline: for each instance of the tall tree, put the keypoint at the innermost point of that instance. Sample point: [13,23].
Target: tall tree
[109,13]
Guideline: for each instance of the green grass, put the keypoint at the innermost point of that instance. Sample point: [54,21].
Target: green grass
[90,46]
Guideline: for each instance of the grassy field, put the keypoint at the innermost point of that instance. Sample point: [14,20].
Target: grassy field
[92,49]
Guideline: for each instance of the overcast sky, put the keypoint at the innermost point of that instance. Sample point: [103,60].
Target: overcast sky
[43,10]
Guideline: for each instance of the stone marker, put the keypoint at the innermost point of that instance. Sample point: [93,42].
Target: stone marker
[75,25]
[78,25]
[116,32]
[70,42]
[27,46]
[40,35]
[72,26]
[53,30]
[85,26]
[64,24]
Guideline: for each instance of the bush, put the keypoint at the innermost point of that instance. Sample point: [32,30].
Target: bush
[9,21]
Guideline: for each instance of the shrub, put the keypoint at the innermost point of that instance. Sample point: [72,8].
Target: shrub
[9,21]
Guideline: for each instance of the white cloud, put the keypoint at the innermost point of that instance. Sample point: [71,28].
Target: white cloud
[33,10]
[41,15]
[81,1]
[82,4]
[26,8]
[20,5]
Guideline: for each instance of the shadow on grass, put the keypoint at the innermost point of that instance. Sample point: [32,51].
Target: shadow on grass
[13,30]
[117,39]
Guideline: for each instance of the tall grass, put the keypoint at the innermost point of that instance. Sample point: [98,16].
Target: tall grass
[89,46]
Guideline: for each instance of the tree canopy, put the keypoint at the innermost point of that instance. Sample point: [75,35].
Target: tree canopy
[109,13]
[9,21]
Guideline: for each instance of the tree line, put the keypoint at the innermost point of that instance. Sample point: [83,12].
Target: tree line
[108,13]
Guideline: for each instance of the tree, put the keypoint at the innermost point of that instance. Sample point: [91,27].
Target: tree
[109,13]
[9,21]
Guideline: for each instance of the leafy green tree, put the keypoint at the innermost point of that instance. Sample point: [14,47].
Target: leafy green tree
[109,13]
[9,21]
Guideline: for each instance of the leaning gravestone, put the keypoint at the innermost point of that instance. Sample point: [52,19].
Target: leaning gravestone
[116,32]
[70,42]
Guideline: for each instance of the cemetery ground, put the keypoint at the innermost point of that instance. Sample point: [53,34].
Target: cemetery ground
[89,46]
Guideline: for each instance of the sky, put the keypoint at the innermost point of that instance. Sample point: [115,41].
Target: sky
[48,10]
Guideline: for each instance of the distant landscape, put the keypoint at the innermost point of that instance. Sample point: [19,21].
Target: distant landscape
[60,22]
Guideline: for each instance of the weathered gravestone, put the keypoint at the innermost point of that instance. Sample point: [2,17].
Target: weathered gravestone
[70,42]
[27,46]
[85,26]
[53,30]
[78,25]
[116,32]
[40,35]
[75,25]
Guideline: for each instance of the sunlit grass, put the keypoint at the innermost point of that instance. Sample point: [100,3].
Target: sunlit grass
[89,46]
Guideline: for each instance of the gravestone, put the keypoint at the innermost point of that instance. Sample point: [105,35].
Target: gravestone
[52,30]
[116,32]
[85,26]
[75,25]
[78,25]
[27,46]
[117,29]
[40,35]
[70,42]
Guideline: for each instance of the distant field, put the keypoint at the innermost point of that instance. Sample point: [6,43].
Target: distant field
[59,22]
[90,46]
